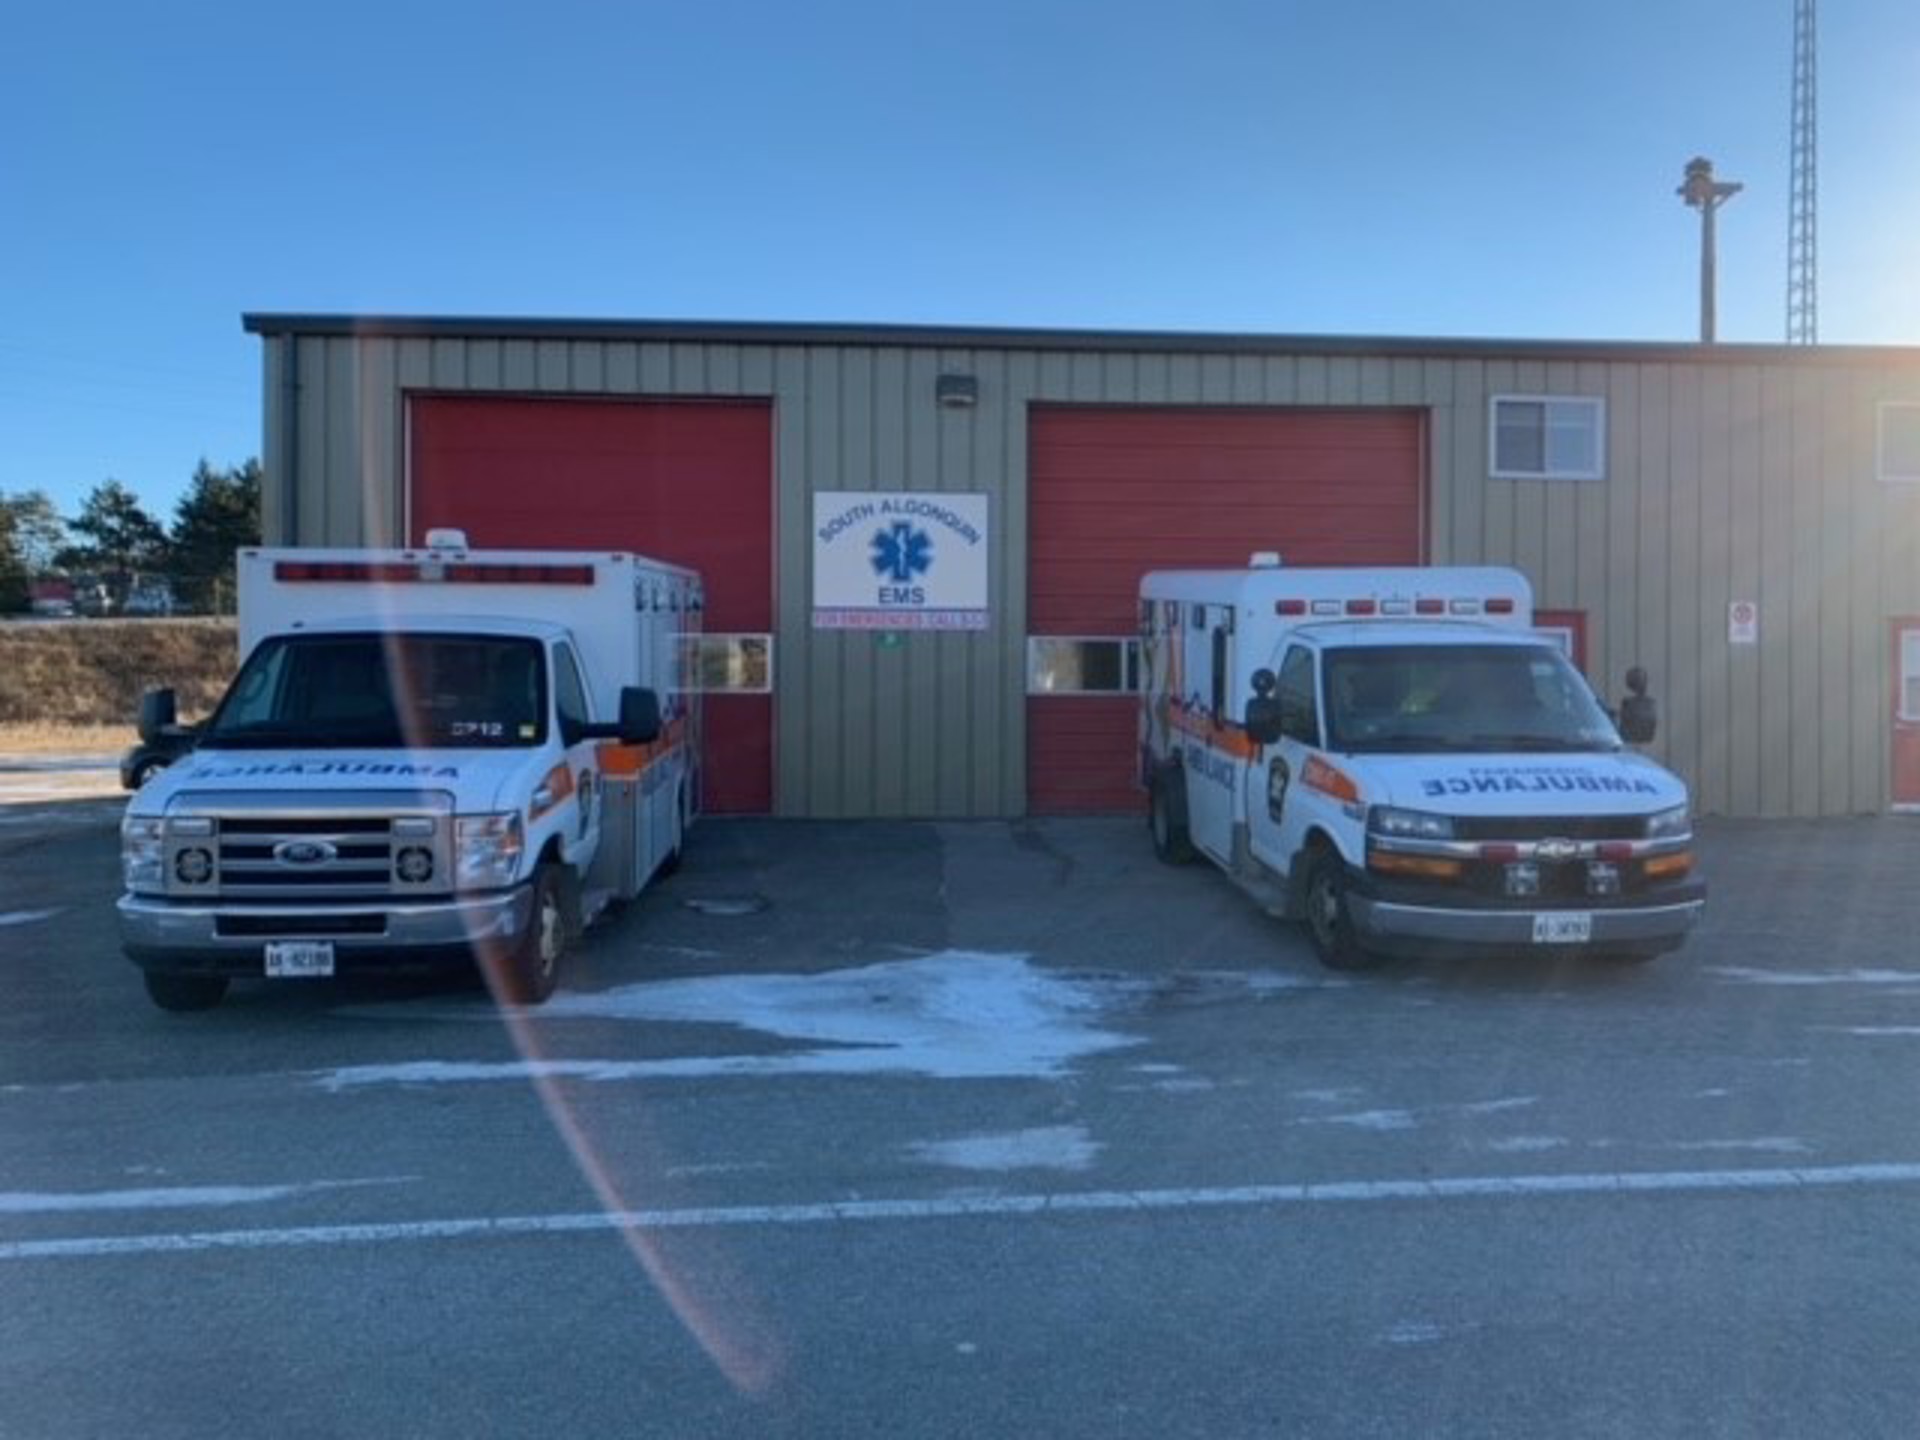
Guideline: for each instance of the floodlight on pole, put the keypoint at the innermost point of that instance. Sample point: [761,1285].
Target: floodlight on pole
[1706,194]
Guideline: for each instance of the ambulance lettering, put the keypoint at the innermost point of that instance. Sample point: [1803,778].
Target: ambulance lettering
[1534,780]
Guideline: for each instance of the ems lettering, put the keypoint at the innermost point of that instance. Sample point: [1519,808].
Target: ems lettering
[902,595]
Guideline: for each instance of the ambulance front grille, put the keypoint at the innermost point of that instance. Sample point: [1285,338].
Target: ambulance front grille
[1550,827]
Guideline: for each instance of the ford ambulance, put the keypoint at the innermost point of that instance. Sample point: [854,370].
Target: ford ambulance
[427,756]
[1396,758]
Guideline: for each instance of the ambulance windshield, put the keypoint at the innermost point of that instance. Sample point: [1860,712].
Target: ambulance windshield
[1472,698]
[367,691]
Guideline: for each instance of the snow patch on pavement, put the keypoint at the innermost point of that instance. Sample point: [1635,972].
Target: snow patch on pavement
[954,1015]
[1055,1147]
[1381,1120]
[45,1202]
[25,917]
[1525,1144]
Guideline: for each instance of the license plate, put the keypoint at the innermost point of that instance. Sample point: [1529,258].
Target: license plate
[1572,929]
[296,959]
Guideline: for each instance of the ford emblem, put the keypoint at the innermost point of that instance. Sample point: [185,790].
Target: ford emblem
[304,852]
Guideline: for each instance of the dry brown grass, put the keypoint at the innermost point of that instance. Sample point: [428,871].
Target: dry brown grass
[45,739]
[60,681]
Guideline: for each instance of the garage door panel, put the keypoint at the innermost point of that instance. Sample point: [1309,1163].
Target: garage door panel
[1115,493]
[1255,469]
[685,481]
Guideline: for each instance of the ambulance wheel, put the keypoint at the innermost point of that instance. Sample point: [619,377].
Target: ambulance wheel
[533,966]
[1167,818]
[183,994]
[1329,923]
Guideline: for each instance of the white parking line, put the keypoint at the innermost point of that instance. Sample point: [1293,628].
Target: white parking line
[1089,1202]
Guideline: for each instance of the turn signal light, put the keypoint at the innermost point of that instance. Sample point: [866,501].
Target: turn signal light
[1386,862]
[1659,867]
[1317,774]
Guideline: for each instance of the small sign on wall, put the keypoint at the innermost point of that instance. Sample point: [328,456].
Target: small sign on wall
[899,560]
[1743,623]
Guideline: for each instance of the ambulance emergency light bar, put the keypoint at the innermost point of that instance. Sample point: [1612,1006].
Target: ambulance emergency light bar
[1426,605]
[408,572]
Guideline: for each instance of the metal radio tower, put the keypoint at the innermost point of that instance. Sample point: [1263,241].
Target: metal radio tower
[1803,248]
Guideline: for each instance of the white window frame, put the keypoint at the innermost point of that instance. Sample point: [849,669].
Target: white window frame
[1909,677]
[1594,405]
[1130,663]
[1885,408]
[1559,636]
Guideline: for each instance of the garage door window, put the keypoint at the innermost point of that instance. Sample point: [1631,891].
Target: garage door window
[1548,437]
[1082,665]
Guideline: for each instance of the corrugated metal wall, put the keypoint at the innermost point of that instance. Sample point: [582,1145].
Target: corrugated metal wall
[1728,477]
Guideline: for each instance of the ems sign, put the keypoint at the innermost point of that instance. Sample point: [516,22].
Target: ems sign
[899,560]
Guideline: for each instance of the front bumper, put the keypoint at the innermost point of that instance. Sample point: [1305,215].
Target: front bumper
[197,939]
[1399,927]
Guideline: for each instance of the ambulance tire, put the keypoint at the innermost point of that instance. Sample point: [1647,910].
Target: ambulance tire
[1167,818]
[532,967]
[1329,925]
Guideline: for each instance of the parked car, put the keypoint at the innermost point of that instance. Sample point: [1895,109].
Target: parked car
[150,601]
[149,757]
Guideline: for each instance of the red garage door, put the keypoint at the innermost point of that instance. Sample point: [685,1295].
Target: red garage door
[1119,492]
[686,481]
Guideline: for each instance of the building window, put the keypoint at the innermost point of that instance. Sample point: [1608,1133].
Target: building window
[1549,437]
[1900,441]
[724,664]
[1082,665]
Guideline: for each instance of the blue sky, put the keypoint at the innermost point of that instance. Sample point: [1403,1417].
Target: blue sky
[1401,167]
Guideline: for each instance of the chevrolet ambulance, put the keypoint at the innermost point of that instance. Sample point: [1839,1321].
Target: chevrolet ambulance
[1396,758]
[428,756]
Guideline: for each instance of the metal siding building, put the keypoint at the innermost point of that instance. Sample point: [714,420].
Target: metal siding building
[1726,474]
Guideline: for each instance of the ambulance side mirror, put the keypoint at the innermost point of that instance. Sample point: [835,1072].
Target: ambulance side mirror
[158,713]
[1263,710]
[639,722]
[1639,716]
[639,715]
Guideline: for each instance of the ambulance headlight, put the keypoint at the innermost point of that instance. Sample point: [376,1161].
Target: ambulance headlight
[141,852]
[487,850]
[1396,824]
[1669,824]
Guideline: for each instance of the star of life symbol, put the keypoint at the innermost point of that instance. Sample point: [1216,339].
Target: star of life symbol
[901,552]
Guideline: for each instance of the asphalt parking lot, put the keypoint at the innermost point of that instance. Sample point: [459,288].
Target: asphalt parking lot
[941,1129]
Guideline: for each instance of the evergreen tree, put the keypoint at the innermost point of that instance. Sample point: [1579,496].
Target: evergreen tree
[13,569]
[39,534]
[218,515]
[119,539]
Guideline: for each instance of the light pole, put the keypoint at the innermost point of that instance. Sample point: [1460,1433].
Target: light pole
[1706,195]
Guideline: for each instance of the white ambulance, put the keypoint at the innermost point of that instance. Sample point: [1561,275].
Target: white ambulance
[1395,757]
[428,756]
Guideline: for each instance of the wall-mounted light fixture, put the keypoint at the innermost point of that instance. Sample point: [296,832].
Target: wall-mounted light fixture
[956,392]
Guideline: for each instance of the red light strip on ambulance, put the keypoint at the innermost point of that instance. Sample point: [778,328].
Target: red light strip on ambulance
[1427,605]
[389,572]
